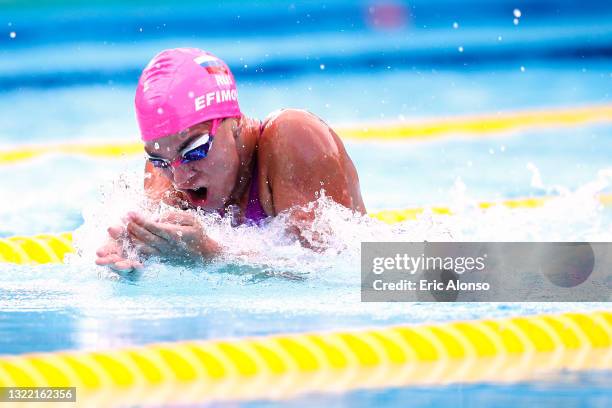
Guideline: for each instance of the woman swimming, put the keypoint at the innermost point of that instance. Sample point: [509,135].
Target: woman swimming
[203,153]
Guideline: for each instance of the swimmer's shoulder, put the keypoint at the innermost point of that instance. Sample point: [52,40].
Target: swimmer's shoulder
[300,154]
[291,116]
[291,132]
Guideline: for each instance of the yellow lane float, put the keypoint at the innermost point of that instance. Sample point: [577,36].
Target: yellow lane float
[284,366]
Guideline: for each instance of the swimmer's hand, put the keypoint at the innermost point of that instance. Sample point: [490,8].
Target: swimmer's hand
[177,236]
[112,255]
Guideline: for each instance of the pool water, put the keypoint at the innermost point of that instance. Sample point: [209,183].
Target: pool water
[589,389]
[284,287]
[81,306]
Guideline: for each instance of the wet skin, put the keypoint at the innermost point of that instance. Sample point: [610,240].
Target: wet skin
[298,155]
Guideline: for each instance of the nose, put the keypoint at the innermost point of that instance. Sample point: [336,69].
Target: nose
[182,176]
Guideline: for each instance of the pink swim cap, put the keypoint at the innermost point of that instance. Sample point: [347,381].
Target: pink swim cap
[182,87]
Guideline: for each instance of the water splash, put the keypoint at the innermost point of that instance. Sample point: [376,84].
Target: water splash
[264,268]
[255,253]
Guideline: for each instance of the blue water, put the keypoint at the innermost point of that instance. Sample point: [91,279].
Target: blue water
[73,81]
[590,389]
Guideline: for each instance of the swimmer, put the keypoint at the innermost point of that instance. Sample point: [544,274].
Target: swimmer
[204,153]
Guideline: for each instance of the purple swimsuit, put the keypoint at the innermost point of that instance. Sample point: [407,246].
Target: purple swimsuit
[254,212]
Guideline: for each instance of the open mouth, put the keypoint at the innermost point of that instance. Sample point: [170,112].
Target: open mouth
[197,196]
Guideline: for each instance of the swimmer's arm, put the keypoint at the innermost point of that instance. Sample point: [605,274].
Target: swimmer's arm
[178,235]
[158,188]
[301,157]
[112,255]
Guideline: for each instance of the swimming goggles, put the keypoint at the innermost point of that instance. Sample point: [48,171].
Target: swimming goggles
[196,150]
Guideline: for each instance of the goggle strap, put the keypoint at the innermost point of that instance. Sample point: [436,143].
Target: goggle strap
[214,127]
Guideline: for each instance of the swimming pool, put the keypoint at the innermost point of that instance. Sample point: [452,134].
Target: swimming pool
[77,306]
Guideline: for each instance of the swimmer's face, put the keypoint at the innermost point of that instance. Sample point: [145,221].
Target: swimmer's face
[207,183]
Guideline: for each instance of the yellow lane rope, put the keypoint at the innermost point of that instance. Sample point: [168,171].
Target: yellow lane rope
[97,150]
[283,366]
[38,249]
[51,248]
[474,126]
[394,215]
[479,126]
